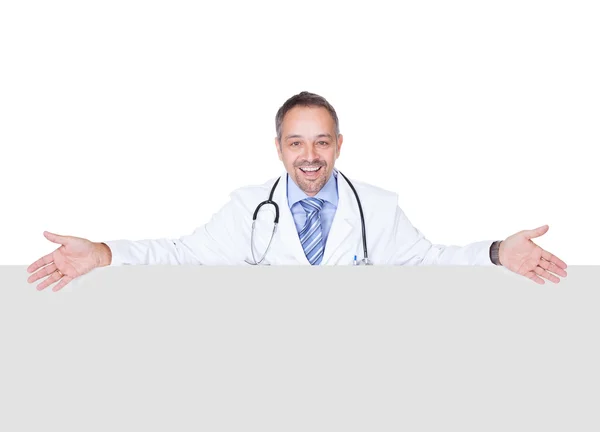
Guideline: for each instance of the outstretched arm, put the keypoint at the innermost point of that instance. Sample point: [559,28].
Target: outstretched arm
[214,243]
[517,253]
[217,242]
[409,246]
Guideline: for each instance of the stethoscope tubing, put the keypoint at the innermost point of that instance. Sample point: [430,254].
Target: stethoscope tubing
[362,217]
[270,201]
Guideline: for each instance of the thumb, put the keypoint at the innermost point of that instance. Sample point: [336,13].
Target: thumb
[537,232]
[55,238]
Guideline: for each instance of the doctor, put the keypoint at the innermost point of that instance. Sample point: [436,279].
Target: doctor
[323,217]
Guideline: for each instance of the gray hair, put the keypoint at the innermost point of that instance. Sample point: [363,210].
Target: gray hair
[305,99]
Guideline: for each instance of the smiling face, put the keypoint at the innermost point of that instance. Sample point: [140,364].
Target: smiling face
[309,147]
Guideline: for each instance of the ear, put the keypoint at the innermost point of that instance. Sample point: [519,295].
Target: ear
[278,146]
[340,140]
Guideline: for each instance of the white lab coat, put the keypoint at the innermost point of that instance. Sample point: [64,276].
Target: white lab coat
[225,239]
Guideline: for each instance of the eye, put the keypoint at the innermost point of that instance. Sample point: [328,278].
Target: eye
[323,143]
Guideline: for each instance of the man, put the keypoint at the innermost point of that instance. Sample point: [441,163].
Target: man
[320,220]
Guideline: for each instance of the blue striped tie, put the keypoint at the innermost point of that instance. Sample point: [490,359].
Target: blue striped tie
[311,235]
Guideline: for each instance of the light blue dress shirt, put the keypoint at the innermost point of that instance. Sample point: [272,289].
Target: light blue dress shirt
[328,193]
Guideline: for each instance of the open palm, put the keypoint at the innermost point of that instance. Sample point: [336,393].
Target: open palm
[75,257]
[520,255]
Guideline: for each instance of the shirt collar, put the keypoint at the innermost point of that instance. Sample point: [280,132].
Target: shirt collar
[327,193]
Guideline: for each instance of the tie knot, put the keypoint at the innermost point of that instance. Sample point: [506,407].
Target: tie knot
[311,204]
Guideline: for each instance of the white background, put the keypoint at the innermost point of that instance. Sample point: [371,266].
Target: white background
[131,119]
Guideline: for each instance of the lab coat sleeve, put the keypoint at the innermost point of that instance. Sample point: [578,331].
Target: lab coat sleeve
[411,247]
[213,243]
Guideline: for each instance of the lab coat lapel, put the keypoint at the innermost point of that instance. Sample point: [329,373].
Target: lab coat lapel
[345,222]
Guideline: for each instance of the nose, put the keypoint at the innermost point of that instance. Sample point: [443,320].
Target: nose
[310,153]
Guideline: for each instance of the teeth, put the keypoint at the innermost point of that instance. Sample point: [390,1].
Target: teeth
[310,169]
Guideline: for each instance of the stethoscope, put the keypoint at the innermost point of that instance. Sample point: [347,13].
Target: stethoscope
[364,261]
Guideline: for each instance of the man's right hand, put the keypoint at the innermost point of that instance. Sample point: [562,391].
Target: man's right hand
[75,257]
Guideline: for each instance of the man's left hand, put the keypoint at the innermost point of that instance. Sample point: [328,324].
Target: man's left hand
[520,255]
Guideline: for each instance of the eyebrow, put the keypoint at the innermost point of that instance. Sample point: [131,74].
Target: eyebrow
[300,136]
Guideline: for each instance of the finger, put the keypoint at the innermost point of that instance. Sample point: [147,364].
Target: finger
[553,258]
[531,275]
[45,271]
[550,266]
[49,280]
[65,280]
[55,238]
[537,232]
[41,262]
[540,271]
